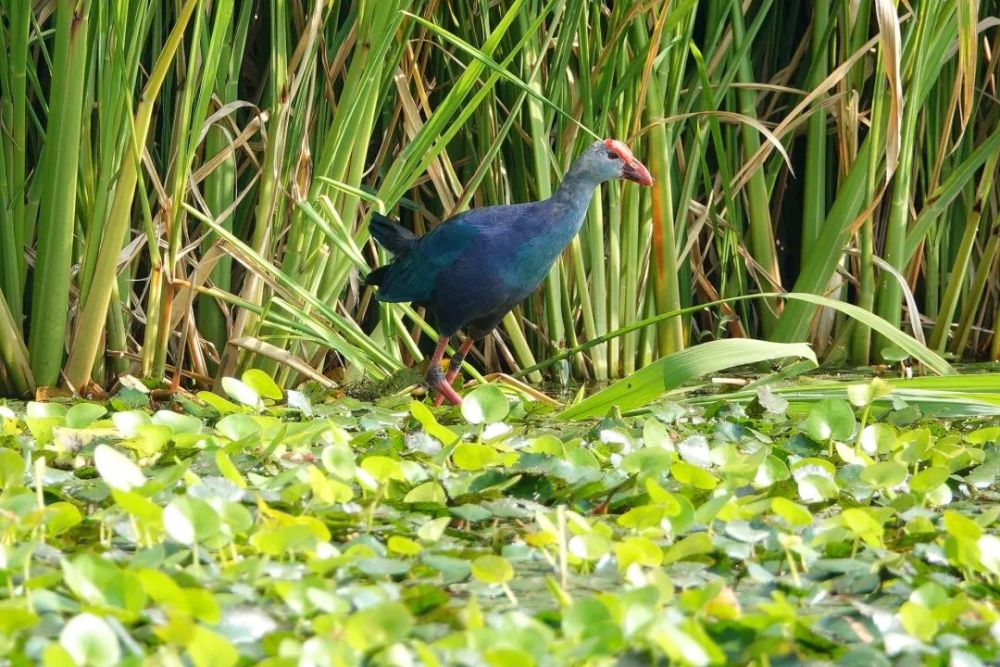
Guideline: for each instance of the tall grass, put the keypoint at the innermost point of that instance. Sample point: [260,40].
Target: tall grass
[185,186]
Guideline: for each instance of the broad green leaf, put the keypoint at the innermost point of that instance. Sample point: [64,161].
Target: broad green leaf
[338,459]
[692,545]
[643,517]
[690,475]
[918,621]
[474,456]
[40,410]
[279,541]
[15,617]
[11,469]
[42,428]
[149,439]
[139,506]
[830,419]
[589,546]
[929,478]
[241,393]
[328,490]
[983,435]
[189,520]
[861,395]
[546,444]
[452,569]
[403,545]
[219,403]
[117,470]
[177,422]
[492,569]
[771,471]
[674,370]
[383,468]
[813,466]
[428,492]
[588,619]
[638,550]
[647,462]
[238,427]
[794,514]
[61,516]
[90,641]
[878,439]
[989,553]
[860,522]
[83,415]
[884,475]
[961,526]
[228,470]
[423,415]
[129,421]
[261,383]
[485,405]
[816,488]
[209,649]
[377,626]
[432,530]
[916,444]
[130,398]
[507,656]
[662,497]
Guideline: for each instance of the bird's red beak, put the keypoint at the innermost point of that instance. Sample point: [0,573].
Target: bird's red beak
[636,171]
[632,169]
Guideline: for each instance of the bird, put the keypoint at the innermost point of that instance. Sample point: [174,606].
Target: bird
[473,268]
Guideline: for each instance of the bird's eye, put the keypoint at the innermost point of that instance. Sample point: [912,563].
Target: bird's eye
[612,156]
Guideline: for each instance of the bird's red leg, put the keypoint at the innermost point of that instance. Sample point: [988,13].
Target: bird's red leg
[435,378]
[455,367]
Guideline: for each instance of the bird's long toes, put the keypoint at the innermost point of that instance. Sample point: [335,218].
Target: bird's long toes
[434,376]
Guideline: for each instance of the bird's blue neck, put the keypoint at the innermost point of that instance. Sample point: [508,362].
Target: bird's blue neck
[576,188]
[550,230]
[570,204]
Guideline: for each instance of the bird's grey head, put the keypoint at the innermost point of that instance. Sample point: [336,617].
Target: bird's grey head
[610,159]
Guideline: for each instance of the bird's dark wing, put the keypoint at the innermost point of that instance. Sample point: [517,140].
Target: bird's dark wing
[413,273]
[391,236]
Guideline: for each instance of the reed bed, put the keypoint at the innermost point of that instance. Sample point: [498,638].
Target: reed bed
[185,185]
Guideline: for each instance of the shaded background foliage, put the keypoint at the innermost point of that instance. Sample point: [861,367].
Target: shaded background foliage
[184,186]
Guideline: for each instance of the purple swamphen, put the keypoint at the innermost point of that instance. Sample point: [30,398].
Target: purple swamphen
[472,269]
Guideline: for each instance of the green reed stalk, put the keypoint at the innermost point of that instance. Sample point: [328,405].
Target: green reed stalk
[889,295]
[57,211]
[13,174]
[670,334]
[958,274]
[14,354]
[814,192]
[220,185]
[760,225]
[861,337]
[90,324]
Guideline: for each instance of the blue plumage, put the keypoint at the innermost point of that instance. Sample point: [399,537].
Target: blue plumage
[473,268]
[467,270]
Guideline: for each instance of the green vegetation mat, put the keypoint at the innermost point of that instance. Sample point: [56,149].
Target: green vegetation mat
[277,530]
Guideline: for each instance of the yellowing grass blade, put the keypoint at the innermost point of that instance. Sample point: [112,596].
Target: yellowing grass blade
[892,50]
[942,396]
